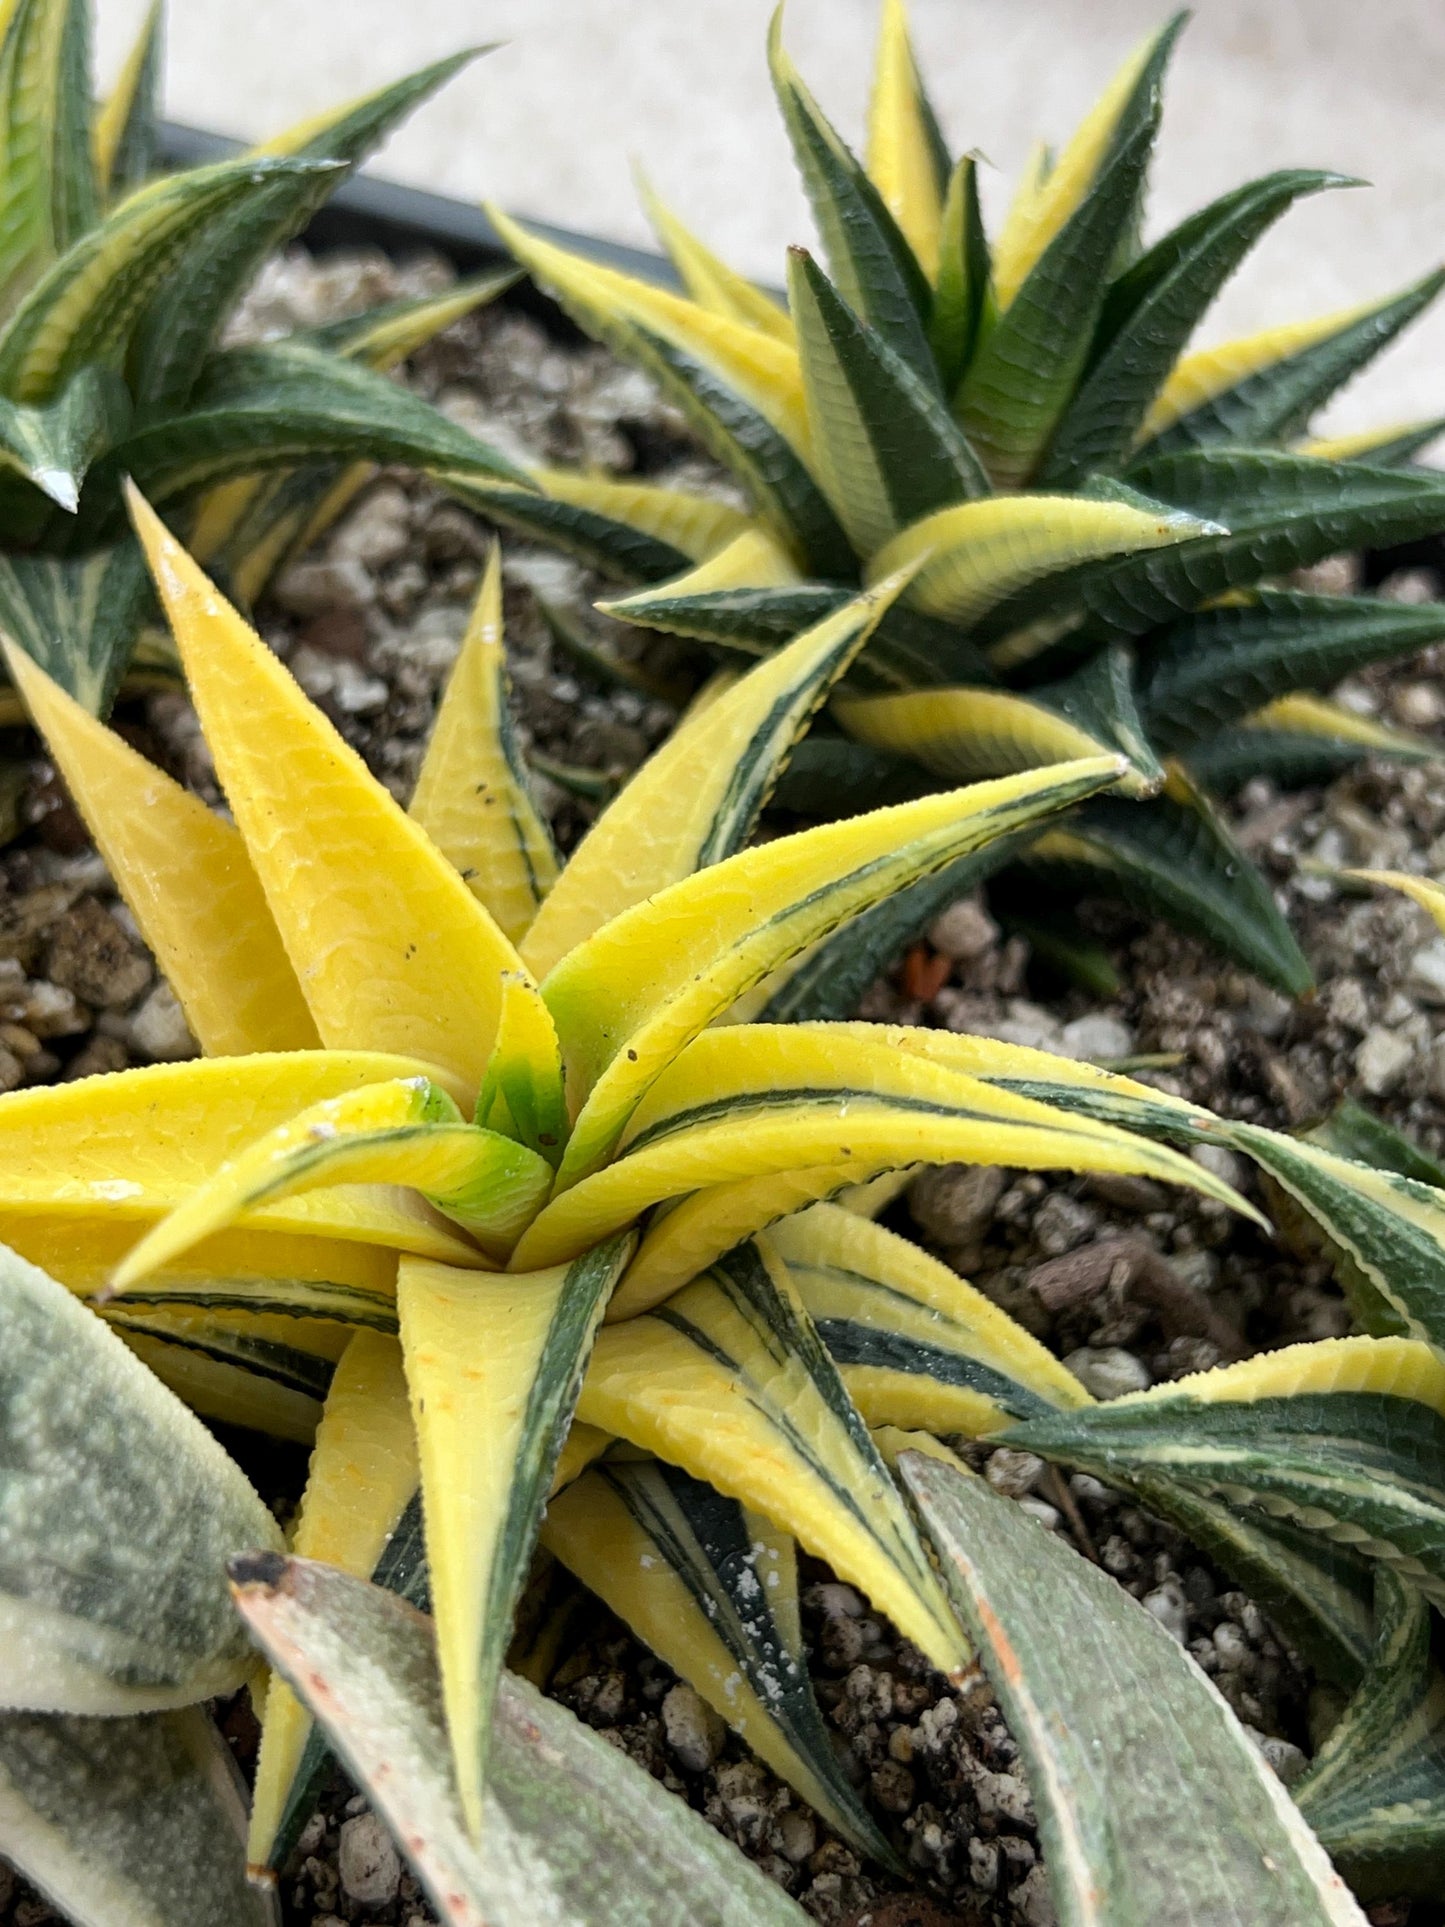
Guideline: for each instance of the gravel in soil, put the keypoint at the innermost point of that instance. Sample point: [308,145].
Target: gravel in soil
[1129,1283]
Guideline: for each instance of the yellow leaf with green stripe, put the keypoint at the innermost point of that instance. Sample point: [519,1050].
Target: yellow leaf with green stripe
[362,1476]
[711,282]
[1317,716]
[916,1345]
[131,1146]
[716,933]
[402,1133]
[1344,1438]
[729,1381]
[472,797]
[749,1101]
[972,557]
[696,525]
[752,559]
[185,875]
[390,946]
[493,1365]
[696,800]
[759,367]
[905,156]
[712,1589]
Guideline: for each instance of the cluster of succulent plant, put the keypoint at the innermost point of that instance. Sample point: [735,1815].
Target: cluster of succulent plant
[488,1184]
[115,288]
[1098,520]
[497,1187]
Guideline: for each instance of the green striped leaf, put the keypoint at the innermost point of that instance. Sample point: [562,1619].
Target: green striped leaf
[78,619]
[45,161]
[83,309]
[604,542]
[730,1381]
[1215,667]
[230,1390]
[832,776]
[1151,311]
[126,125]
[493,1363]
[1345,1438]
[117,1510]
[260,408]
[713,1590]
[1125,1740]
[1282,512]
[183,323]
[265,1296]
[576,1834]
[916,1345]
[1025,371]
[212,1333]
[53,447]
[1177,859]
[885,448]
[1375,1792]
[1351,1131]
[872,263]
[1277,400]
[128,1823]
[963,294]
[1294,756]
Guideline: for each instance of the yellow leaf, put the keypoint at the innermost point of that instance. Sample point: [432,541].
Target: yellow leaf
[695,525]
[733,1386]
[695,800]
[747,1101]
[711,936]
[184,874]
[753,559]
[391,948]
[710,281]
[902,154]
[494,1365]
[362,1477]
[472,796]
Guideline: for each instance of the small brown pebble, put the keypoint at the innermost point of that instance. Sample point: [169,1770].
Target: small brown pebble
[89,954]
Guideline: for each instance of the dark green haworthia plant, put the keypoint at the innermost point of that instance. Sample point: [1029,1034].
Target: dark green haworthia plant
[1100,523]
[115,287]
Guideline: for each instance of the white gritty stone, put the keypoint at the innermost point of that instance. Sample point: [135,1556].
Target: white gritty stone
[1097,1036]
[369,1864]
[1382,1060]
[694,1732]
[1108,1371]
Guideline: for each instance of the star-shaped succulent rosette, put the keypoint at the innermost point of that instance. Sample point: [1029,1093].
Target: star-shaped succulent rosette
[474,1179]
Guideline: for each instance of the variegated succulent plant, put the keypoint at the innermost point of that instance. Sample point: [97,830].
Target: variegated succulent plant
[490,1183]
[114,291]
[1101,521]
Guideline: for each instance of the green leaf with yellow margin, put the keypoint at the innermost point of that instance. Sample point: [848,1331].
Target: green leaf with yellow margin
[1375,1791]
[1125,1740]
[712,1589]
[1345,1437]
[907,160]
[45,159]
[123,135]
[576,1834]
[1300,739]
[963,303]
[493,1365]
[78,618]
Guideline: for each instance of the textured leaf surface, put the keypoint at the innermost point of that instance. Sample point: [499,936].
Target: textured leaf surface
[731,925]
[1178,859]
[128,1823]
[1343,1437]
[885,448]
[915,1344]
[576,1834]
[713,1590]
[45,160]
[1125,1740]
[387,940]
[1375,1791]
[730,1381]
[79,619]
[907,161]
[696,800]
[117,1512]
[494,1366]
[124,134]
[472,796]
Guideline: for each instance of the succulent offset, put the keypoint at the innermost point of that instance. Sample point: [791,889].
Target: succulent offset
[489,1183]
[115,288]
[1101,521]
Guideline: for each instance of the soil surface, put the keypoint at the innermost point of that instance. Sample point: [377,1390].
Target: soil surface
[1129,1283]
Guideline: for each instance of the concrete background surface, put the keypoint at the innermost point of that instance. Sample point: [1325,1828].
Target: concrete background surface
[551,123]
